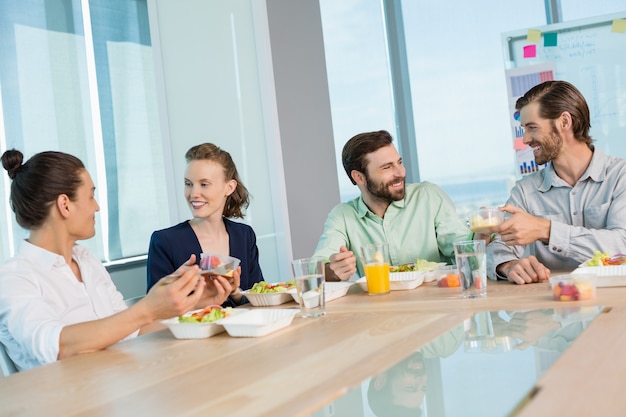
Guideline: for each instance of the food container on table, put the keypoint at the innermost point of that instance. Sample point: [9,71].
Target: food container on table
[188,330]
[431,271]
[484,219]
[332,290]
[447,276]
[573,287]
[608,275]
[257,323]
[213,264]
[268,299]
[399,281]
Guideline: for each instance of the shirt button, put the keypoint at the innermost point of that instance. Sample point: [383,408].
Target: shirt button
[553,247]
[575,213]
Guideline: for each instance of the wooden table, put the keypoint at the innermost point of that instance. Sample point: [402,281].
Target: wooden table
[297,370]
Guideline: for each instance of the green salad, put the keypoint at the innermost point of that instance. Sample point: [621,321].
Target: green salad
[263,287]
[419,265]
[207,315]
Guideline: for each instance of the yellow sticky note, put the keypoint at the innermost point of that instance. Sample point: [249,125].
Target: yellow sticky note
[619,26]
[533,36]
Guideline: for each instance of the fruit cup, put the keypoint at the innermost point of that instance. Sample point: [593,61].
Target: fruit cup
[213,264]
[447,276]
[573,287]
[484,219]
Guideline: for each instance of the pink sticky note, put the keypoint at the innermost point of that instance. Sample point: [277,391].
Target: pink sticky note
[530,51]
[518,144]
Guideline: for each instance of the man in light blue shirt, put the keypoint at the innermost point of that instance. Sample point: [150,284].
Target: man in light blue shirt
[416,220]
[573,207]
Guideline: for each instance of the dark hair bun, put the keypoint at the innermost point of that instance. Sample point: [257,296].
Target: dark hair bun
[12,161]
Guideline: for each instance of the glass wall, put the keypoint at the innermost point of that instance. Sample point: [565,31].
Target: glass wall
[582,9]
[457,79]
[459,101]
[213,91]
[358,74]
[78,77]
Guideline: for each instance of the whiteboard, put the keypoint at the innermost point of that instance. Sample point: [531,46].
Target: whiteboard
[591,54]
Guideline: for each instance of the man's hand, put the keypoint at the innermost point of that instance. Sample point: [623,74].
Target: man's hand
[522,228]
[483,236]
[524,271]
[525,326]
[174,294]
[343,264]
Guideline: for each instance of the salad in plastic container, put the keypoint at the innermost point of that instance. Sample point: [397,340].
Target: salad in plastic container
[264,294]
[266,287]
[200,324]
[604,259]
[206,315]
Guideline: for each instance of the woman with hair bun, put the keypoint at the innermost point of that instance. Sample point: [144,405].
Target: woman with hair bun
[214,194]
[56,298]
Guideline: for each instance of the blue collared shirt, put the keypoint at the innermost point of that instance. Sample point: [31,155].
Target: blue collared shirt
[588,217]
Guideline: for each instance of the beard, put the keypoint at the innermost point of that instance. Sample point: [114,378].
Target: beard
[382,191]
[550,146]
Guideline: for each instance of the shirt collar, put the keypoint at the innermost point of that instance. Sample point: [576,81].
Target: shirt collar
[362,209]
[595,171]
[44,258]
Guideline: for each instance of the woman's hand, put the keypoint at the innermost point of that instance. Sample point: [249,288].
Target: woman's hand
[235,282]
[219,288]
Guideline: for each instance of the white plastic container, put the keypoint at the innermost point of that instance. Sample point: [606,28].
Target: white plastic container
[212,264]
[332,290]
[268,299]
[399,281]
[484,219]
[257,323]
[188,330]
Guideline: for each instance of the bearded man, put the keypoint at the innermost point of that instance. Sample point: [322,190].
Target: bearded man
[416,220]
[576,205]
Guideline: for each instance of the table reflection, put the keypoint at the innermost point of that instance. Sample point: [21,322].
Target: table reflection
[399,391]
[492,355]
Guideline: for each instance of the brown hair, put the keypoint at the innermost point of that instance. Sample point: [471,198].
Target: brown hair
[239,199]
[556,97]
[357,148]
[38,182]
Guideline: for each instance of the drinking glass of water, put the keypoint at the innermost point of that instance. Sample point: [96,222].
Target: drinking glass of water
[308,274]
[471,262]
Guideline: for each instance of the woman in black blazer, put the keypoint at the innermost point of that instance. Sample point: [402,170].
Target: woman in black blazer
[214,194]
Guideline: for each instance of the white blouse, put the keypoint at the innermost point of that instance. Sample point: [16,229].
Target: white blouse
[39,295]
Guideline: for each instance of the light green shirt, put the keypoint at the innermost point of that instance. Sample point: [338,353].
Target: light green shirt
[422,225]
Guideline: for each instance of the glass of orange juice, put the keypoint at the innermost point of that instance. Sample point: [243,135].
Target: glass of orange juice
[376,267]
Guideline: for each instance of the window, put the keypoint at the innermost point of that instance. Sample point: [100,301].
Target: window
[458,85]
[78,76]
[358,74]
[457,79]
[581,9]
